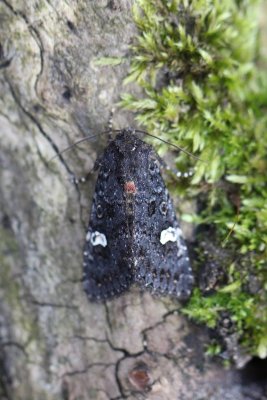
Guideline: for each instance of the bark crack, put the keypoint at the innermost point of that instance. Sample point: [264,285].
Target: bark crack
[53,305]
[35,35]
[126,354]
[42,131]
[18,346]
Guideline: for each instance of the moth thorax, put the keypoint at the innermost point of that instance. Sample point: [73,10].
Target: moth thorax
[129,187]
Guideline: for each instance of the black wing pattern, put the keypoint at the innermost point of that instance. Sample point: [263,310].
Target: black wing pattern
[133,233]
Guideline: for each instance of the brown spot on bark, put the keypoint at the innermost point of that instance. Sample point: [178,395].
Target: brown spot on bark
[139,377]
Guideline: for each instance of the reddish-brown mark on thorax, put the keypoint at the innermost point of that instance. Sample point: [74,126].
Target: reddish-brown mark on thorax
[130,188]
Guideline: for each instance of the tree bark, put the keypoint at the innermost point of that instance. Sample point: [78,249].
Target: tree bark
[54,343]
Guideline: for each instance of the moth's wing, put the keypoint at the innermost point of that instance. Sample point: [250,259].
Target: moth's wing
[161,257]
[108,256]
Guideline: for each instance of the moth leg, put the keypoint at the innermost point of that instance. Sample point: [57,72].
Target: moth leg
[175,171]
[98,163]
[181,174]
[84,179]
[110,125]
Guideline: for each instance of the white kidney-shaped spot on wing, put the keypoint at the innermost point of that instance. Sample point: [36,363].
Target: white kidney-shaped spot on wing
[170,235]
[97,238]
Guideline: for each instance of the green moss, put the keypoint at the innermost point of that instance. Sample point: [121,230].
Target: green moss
[197,62]
[240,306]
[213,349]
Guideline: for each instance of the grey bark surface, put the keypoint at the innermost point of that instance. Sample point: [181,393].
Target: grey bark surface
[54,344]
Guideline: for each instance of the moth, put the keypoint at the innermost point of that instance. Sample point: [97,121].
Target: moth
[133,234]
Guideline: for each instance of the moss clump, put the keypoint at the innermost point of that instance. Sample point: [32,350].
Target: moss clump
[197,62]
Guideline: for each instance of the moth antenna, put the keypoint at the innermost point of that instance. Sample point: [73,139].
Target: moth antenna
[119,130]
[172,144]
[78,142]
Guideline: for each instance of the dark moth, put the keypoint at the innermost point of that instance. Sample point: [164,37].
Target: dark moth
[133,234]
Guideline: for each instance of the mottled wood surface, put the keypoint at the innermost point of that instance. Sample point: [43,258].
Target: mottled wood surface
[54,343]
